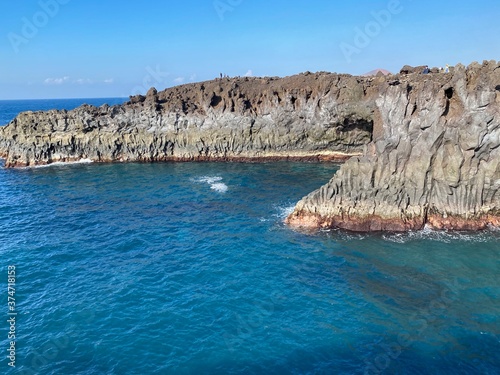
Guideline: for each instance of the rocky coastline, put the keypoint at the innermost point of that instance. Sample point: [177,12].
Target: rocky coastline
[319,116]
[434,160]
[419,149]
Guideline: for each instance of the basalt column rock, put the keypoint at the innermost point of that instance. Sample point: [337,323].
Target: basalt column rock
[435,162]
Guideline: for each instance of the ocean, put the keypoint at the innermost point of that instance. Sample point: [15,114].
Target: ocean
[187,268]
[10,108]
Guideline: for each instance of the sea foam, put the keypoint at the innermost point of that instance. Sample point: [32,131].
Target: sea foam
[60,164]
[219,187]
[443,236]
[214,182]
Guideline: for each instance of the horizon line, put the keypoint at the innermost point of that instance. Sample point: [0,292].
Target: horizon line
[100,97]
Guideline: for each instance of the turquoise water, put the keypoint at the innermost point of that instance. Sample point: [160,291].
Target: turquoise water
[188,269]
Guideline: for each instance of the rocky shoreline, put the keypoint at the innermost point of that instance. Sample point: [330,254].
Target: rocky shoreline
[421,149]
[319,116]
[435,162]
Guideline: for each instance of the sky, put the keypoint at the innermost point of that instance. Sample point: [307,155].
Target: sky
[110,48]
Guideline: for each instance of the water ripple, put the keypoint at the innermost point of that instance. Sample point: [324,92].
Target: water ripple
[188,268]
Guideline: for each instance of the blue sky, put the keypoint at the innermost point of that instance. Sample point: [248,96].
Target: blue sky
[88,48]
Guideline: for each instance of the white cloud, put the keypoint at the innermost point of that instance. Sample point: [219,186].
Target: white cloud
[56,81]
[83,81]
[193,77]
[179,80]
[66,79]
[249,73]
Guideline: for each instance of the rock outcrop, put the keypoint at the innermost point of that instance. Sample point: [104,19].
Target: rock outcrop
[427,146]
[308,116]
[434,159]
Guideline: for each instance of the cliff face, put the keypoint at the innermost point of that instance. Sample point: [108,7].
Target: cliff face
[435,159]
[428,146]
[325,116]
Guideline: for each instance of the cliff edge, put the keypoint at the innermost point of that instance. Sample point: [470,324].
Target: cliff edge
[435,161]
[307,116]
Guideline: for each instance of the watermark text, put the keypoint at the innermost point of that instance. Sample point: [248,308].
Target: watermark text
[12,314]
[31,25]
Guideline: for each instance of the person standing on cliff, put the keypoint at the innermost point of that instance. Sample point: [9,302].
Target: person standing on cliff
[447,69]
[426,70]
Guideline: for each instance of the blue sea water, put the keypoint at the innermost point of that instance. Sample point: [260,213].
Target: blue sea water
[186,268]
[10,108]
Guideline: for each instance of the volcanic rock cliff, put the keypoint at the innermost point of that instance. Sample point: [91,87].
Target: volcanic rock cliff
[427,145]
[321,116]
[434,159]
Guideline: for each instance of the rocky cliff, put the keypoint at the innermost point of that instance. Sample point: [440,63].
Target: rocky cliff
[321,116]
[427,145]
[434,159]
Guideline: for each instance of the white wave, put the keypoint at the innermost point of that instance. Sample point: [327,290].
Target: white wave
[219,187]
[214,182]
[281,211]
[60,163]
[285,211]
[445,236]
[396,237]
[209,180]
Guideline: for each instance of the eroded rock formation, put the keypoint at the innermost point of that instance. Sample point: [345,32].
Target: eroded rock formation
[321,116]
[434,159]
[427,144]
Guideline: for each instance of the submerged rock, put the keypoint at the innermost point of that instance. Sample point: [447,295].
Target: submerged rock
[434,159]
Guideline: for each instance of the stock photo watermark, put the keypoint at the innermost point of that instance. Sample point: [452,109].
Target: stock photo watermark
[154,78]
[364,36]
[11,314]
[30,26]
[51,349]
[223,6]
[390,351]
